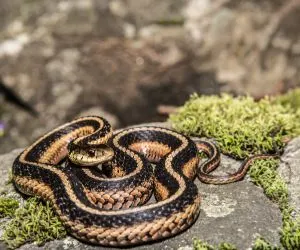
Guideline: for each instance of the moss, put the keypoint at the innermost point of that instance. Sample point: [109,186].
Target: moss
[10,178]
[261,244]
[226,246]
[34,222]
[290,233]
[8,207]
[263,173]
[200,245]
[291,99]
[240,126]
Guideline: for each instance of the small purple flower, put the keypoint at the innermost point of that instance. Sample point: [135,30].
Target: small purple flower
[1,129]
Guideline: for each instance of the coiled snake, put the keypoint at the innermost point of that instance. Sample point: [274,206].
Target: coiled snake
[104,210]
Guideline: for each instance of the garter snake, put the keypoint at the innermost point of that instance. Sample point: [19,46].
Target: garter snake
[106,211]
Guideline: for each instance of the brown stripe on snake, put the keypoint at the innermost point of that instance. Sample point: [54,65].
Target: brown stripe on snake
[118,198]
[153,151]
[59,148]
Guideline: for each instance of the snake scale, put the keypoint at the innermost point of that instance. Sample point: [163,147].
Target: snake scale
[102,204]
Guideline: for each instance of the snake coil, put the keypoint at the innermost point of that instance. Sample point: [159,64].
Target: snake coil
[107,211]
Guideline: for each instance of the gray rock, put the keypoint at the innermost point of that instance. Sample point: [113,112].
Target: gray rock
[6,161]
[139,10]
[290,171]
[64,66]
[234,213]
[79,17]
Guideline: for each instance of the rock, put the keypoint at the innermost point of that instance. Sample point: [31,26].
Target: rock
[296,48]
[186,248]
[221,23]
[64,66]
[13,47]
[118,8]
[234,213]
[159,34]
[6,161]
[138,11]
[194,12]
[290,171]
[129,30]
[78,17]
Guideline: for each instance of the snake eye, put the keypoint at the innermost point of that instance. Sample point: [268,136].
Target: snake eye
[91,153]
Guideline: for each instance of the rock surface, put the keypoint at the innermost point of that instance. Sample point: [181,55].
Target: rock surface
[290,171]
[235,213]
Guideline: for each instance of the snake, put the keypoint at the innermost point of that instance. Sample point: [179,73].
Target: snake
[99,182]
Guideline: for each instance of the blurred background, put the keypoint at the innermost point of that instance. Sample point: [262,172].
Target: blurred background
[129,60]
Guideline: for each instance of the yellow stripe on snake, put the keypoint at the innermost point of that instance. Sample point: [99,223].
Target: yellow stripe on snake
[105,204]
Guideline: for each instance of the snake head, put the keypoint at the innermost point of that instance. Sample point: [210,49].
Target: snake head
[90,156]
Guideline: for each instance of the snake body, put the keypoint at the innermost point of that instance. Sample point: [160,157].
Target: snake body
[104,210]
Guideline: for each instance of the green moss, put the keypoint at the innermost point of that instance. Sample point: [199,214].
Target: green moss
[10,178]
[263,173]
[35,222]
[261,244]
[200,245]
[240,126]
[8,207]
[290,233]
[226,246]
[291,99]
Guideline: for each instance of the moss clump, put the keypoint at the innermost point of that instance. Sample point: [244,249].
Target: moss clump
[8,207]
[227,246]
[240,126]
[10,178]
[290,100]
[200,245]
[290,233]
[262,244]
[35,222]
[263,173]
